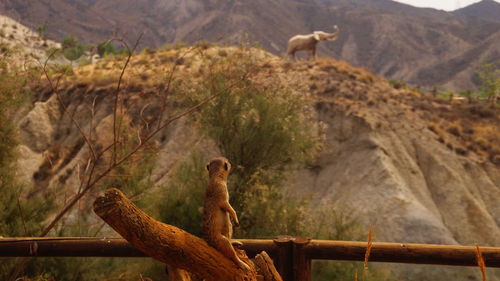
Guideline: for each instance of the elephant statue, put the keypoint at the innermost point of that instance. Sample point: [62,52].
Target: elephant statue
[308,42]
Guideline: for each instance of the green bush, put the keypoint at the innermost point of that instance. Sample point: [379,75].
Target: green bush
[265,131]
[109,48]
[489,80]
[71,48]
[181,202]
[19,215]
[41,29]
[396,84]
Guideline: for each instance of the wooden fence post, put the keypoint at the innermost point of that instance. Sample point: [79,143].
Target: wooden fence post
[292,262]
[301,262]
[284,257]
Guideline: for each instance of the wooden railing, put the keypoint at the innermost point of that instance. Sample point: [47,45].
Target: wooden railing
[292,255]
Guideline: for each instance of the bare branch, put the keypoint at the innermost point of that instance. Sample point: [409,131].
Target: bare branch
[146,123]
[169,82]
[65,109]
[117,91]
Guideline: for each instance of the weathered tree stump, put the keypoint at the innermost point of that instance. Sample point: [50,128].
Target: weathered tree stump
[169,244]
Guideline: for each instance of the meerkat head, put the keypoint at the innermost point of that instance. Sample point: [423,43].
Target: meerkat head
[219,166]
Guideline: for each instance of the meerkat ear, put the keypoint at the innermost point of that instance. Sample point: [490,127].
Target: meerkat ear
[226,167]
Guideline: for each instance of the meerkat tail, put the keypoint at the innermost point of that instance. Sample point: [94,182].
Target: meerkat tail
[224,246]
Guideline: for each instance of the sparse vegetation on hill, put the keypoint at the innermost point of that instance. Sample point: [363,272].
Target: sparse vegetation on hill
[109,48]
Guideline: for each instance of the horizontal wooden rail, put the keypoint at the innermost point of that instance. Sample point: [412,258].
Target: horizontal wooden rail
[67,247]
[95,247]
[402,253]
[313,249]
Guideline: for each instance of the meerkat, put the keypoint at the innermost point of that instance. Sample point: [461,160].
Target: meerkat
[217,211]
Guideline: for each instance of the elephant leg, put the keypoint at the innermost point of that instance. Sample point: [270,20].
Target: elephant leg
[312,54]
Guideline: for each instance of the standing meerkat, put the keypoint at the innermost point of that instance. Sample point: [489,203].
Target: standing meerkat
[217,211]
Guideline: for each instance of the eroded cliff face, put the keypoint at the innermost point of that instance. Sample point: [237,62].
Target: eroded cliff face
[387,154]
[384,162]
[409,185]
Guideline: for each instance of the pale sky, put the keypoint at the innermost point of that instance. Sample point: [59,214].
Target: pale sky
[447,5]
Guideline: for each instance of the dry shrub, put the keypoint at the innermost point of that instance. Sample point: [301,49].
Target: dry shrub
[482,111]
[432,127]
[483,143]
[467,128]
[495,158]
[144,76]
[471,147]
[287,66]
[461,151]
[454,129]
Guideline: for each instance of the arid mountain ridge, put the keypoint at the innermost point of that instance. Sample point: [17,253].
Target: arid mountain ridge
[426,47]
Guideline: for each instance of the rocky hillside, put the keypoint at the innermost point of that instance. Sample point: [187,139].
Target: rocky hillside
[420,168]
[422,46]
[22,44]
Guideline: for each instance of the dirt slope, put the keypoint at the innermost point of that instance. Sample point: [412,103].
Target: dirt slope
[419,168]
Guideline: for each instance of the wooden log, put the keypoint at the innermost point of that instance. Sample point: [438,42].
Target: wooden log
[166,243]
